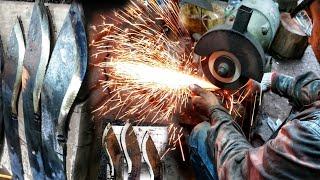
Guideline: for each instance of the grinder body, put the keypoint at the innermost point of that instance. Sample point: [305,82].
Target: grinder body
[234,53]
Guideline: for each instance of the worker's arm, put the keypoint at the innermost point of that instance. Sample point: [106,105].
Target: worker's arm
[228,146]
[300,91]
[293,154]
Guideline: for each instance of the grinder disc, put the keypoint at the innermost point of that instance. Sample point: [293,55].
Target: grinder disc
[231,59]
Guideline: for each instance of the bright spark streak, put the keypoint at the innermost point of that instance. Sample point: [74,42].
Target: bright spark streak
[149,68]
[161,78]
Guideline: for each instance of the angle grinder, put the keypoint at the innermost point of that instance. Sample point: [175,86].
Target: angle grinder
[233,55]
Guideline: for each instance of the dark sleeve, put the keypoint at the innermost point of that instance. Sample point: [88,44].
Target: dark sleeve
[228,146]
[293,154]
[300,91]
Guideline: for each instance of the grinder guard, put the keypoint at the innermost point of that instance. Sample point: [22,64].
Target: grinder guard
[233,56]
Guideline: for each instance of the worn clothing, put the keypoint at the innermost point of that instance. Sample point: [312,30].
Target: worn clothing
[295,151]
[199,152]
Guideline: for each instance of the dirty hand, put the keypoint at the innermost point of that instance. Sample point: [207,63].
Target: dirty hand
[265,84]
[203,100]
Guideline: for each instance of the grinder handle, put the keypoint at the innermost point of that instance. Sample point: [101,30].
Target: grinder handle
[242,19]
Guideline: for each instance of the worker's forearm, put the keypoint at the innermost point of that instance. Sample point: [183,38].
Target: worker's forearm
[300,91]
[226,141]
[280,84]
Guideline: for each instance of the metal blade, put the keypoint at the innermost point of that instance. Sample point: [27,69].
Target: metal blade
[35,62]
[79,142]
[1,102]
[151,157]
[113,151]
[65,73]
[10,88]
[130,147]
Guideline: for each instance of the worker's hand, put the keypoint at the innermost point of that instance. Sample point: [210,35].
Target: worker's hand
[265,84]
[203,100]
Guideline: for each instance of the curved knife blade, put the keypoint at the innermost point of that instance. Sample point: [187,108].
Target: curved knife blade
[151,157]
[80,140]
[35,62]
[131,150]
[113,150]
[1,102]
[65,73]
[12,74]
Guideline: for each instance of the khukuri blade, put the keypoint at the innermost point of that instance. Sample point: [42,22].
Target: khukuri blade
[151,157]
[1,102]
[62,82]
[131,150]
[35,62]
[113,151]
[10,88]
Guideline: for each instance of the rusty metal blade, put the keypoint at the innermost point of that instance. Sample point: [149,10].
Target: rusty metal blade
[34,67]
[1,101]
[131,150]
[113,151]
[65,73]
[151,157]
[10,89]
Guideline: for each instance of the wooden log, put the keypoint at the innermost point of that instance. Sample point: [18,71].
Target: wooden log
[290,41]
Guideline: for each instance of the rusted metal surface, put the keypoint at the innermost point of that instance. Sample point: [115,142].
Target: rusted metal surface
[12,75]
[131,150]
[114,152]
[65,73]
[151,156]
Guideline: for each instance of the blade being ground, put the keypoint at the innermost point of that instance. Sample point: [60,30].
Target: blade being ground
[11,89]
[34,67]
[65,73]
[113,151]
[151,156]
[131,150]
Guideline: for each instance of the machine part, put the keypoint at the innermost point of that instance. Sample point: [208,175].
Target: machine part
[1,101]
[203,4]
[35,62]
[63,79]
[303,5]
[131,150]
[151,157]
[199,20]
[12,76]
[113,151]
[304,22]
[233,56]
[264,22]
[290,41]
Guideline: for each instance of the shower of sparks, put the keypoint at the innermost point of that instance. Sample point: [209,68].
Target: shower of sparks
[149,66]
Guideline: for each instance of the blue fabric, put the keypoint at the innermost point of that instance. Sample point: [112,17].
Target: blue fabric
[200,159]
